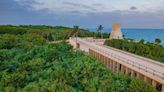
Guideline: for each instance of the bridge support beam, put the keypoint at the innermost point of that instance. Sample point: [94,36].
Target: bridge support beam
[126,70]
[111,64]
[162,87]
[132,73]
[129,72]
[122,68]
[114,66]
[154,83]
[97,56]
[100,57]
[118,67]
[138,75]
[107,62]
[104,62]
[145,79]
[103,58]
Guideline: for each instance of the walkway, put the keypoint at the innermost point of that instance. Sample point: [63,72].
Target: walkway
[142,66]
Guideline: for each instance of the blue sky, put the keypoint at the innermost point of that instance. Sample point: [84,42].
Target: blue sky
[85,13]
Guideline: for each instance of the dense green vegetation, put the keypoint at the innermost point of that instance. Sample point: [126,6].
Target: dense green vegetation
[51,33]
[30,63]
[150,50]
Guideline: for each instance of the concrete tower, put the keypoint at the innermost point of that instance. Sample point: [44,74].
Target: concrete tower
[116,32]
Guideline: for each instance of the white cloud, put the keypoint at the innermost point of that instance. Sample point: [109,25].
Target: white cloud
[86,6]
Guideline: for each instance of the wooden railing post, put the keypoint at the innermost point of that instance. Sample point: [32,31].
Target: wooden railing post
[154,83]
[162,87]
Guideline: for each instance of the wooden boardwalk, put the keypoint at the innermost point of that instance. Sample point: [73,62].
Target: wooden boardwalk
[120,61]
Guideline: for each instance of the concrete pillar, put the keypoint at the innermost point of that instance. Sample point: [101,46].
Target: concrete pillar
[154,83]
[162,87]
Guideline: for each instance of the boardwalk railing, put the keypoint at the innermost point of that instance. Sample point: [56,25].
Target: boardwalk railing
[130,62]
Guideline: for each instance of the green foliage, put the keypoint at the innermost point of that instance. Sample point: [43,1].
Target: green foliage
[29,63]
[56,67]
[157,41]
[50,33]
[12,30]
[142,41]
[100,30]
[149,50]
[9,41]
[137,86]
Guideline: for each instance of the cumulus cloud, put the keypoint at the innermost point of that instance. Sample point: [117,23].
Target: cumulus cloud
[86,6]
[55,6]
[76,5]
[85,13]
[133,8]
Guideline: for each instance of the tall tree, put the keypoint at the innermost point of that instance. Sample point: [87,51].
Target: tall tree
[142,41]
[75,29]
[157,41]
[100,30]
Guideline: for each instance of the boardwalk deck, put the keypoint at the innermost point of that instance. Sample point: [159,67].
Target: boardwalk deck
[146,67]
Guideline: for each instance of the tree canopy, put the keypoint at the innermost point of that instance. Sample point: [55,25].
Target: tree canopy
[149,50]
[30,63]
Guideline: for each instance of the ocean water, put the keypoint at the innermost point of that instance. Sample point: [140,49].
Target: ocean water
[148,35]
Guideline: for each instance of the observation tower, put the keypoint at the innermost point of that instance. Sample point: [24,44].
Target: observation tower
[116,32]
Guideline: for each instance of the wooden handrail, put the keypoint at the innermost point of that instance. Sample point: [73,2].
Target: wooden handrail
[143,67]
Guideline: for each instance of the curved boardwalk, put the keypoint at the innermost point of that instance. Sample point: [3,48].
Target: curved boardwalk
[133,65]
